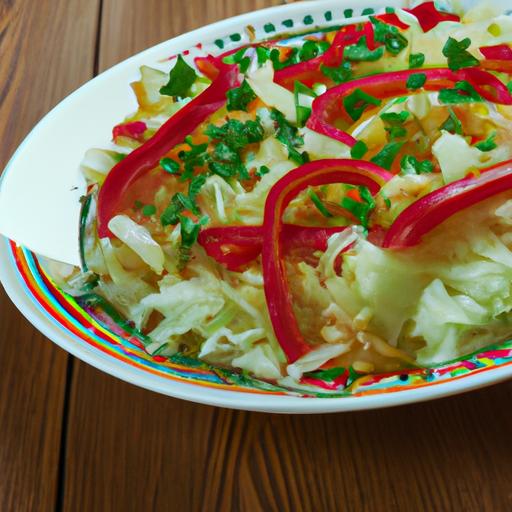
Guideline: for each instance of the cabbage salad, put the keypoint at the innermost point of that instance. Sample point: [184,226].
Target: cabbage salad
[335,199]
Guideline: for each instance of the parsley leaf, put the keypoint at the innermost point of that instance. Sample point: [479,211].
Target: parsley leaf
[463,92]
[195,185]
[357,102]
[416,60]
[457,54]
[262,171]
[148,210]
[236,134]
[275,57]
[360,209]
[181,78]
[301,111]
[393,123]
[169,165]
[197,156]
[509,87]
[360,52]
[416,81]
[318,203]
[339,74]
[488,144]
[452,123]
[179,203]
[411,165]
[393,40]
[358,150]
[226,162]
[386,156]
[288,135]
[311,49]
[240,97]
[189,232]
[240,59]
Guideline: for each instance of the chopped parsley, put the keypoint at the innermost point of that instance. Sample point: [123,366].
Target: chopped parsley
[240,59]
[189,230]
[488,144]
[411,165]
[301,111]
[389,35]
[311,49]
[148,210]
[262,171]
[509,87]
[452,123]
[179,203]
[227,163]
[318,203]
[275,57]
[195,185]
[240,97]
[288,135]
[339,74]
[360,52]
[181,78]
[169,165]
[137,205]
[196,156]
[358,150]
[416,60]
[360,209]
[457,54]
[394,123]
[236,134]
[416,81]
[386,156]
[326,375]
[463,92]
[357,102]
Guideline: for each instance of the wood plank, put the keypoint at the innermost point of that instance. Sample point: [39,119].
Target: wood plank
[46,52]
[129,449]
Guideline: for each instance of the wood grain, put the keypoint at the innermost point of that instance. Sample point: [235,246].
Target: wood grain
[131,450]
[46,50]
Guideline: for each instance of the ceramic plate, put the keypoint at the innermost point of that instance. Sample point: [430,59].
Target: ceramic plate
[92,111]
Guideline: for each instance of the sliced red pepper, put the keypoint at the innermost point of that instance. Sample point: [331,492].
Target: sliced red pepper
[424,215]
[277,292]
[309,72]
[429,17]
[392,19]
[134,130]
[497,52]
[235,246]
[328,107]
[171,133]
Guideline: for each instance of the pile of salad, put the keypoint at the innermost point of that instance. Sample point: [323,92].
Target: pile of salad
[335,199]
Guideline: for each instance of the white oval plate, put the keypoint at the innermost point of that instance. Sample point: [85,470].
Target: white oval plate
[91,112]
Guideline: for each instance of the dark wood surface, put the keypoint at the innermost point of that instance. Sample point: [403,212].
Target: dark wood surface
[72,438]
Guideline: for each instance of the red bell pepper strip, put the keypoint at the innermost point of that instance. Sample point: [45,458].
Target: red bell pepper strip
[234,246]
[424,215]
[309,72]
[171,133]
[134,130]
[329,106]
[497,52]
[277,292]
[392,19]
[429,17]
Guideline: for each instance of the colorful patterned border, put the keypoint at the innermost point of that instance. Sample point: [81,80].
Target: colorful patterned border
[90,327]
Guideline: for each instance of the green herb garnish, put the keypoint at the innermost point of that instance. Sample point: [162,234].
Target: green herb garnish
[326,375]
[416,81]
[357,102]
[181,78]
[318,203]
[411,165]
[416,60]
[137,205]
[360,52]
[463,92]
[240,97]
[148,210]
[288,135]
[179,203]
[311,49]
[394,123]
[452,123]
[169,165]
[386,156]
[393,40]
[189,232]
[488,144]
[301,111]
[240,59]
[338,74]
[262,171]
[236,134]
[360,209]
[457,54]
[358,150]
[197,156]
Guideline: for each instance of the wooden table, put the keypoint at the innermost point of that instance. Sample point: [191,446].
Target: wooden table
[72,438]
